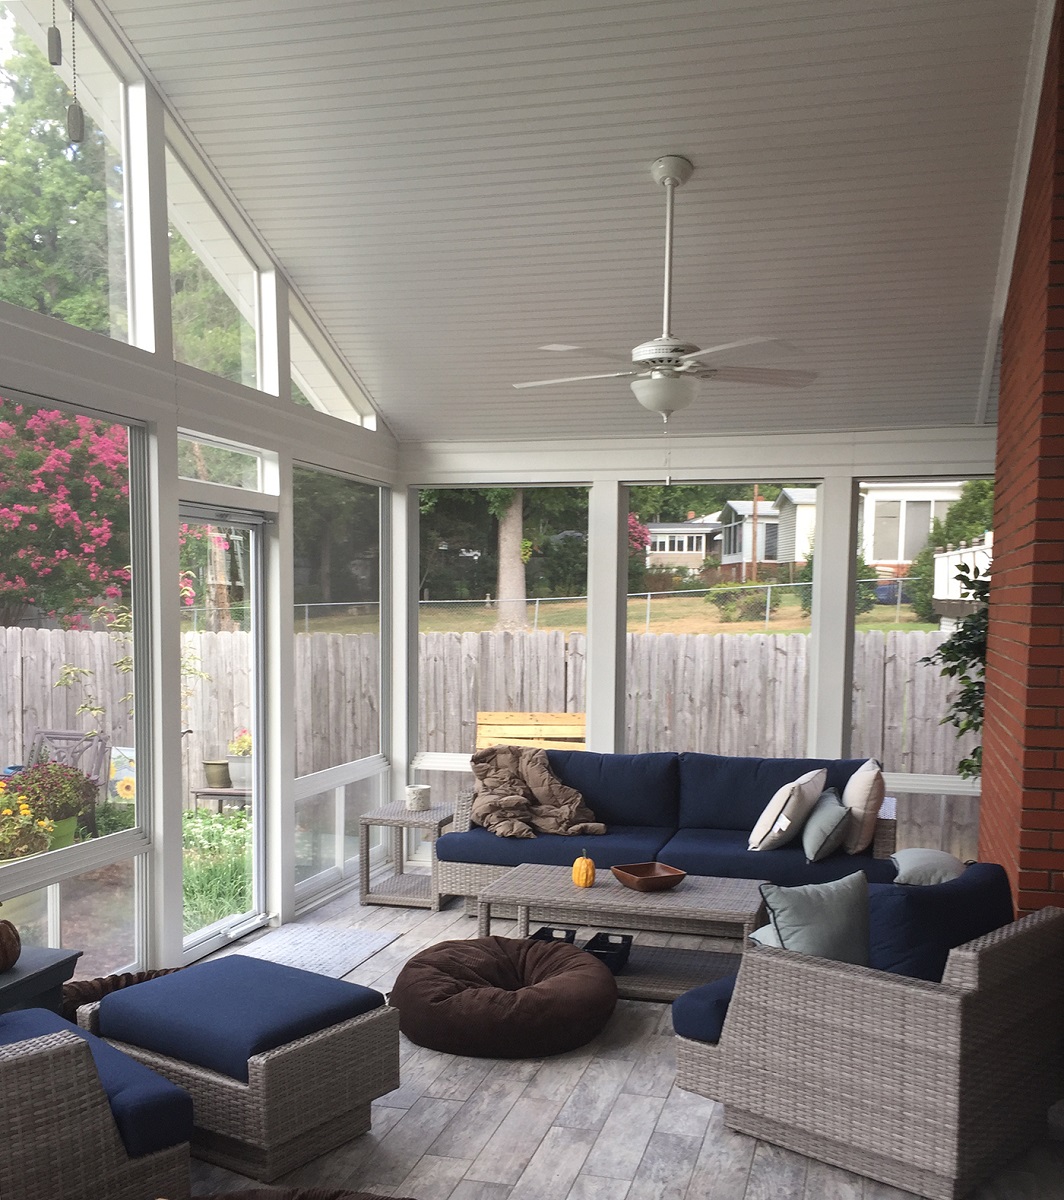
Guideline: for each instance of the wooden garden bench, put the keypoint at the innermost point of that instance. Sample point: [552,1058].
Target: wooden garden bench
[551,730]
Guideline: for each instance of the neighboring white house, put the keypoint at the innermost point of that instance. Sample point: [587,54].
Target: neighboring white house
[797,510]
[738,543]
[895,521]
[682,545]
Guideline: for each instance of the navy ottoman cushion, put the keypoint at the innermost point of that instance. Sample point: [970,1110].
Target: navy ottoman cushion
[623,789]
[723,852]
[219,1014]
[151,1112]
[616,846]
[700,1013]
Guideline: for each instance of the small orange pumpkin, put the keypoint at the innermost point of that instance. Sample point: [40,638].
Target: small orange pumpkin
[10,945]
[583,871]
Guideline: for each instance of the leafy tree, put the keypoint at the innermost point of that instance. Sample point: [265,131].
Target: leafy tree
[209,331]
[337,538]
[866,584]
[60,238]
[64,513]
[969,516]
[962,656]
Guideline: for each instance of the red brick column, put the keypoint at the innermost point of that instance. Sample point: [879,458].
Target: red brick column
[1022,809]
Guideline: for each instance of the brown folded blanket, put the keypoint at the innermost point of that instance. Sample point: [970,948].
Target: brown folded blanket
[516,795]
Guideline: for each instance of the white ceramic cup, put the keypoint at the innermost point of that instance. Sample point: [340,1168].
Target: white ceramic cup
[417,796]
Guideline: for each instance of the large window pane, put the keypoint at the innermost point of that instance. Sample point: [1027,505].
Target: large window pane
[315,386]
[94,912]
[887,522]
[213,284]
[716,653]
[503,612]
[337,614]
[62,207]
[917,527]
[66,655]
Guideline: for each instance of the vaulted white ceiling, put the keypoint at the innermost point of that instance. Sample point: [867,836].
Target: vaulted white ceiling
[452,185]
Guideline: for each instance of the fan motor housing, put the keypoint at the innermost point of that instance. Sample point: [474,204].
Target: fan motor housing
[662,352]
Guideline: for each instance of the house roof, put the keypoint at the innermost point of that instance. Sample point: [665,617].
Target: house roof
[745,508]
[452,188]
[798,495]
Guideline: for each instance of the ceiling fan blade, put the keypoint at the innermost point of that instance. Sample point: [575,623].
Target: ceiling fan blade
[770,376]
[576,379]
[758,348]
[589,352]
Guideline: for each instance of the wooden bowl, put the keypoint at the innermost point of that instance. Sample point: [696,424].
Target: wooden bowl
[648,876]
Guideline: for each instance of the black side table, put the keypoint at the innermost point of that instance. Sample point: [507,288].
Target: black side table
[36,980]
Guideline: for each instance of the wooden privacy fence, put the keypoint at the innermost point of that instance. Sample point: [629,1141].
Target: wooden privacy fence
[721,693]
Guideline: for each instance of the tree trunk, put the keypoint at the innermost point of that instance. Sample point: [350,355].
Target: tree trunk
[510,587]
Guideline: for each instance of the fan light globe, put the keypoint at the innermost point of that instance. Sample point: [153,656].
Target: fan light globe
[663,393]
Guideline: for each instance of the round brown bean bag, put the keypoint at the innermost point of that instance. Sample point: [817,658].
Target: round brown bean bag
[498,997]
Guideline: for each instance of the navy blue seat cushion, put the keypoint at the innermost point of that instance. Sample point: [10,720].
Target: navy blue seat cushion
[913,928]
[623,789]
[723,852]
[151,1113]
[700,1013]
[219,1014]
[724,792]
[552,849]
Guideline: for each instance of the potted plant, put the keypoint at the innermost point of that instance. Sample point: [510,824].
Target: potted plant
[22,831]
[240,759]
[55,792]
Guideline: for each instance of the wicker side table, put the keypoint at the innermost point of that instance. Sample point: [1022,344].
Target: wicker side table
[402,888]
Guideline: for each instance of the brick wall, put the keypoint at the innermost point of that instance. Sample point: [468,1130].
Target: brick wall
[1022,809]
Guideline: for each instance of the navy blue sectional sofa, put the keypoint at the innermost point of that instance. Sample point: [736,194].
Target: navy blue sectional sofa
[692,811]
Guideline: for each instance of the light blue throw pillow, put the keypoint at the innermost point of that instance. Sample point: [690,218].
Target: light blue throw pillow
[826,827]
[829,920]
[923,867]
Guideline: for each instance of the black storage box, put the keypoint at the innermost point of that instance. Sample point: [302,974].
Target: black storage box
[551,933]
[612,948]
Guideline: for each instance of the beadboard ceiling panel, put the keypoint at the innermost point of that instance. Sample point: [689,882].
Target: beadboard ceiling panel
[452,185]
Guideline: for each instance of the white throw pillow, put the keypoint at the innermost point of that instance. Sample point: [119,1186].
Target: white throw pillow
[785,813]
[863,796]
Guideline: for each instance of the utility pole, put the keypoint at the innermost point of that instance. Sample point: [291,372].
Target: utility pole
[753,540]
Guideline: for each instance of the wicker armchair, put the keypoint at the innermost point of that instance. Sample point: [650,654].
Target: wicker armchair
[929,1087]
[60,1139]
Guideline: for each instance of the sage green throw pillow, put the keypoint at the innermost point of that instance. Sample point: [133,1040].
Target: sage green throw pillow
[924,867]
[826,827]
[829,920]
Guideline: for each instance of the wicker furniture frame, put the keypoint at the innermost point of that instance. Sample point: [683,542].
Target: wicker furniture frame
[60,1139]
[470,879]
[402,888]
[701,905]
[927,1087]
[301,1099]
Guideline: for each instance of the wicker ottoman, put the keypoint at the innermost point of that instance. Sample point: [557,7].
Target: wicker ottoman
[282,1064]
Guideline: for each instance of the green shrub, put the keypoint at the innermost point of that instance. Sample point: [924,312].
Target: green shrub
[217,865]
[743,601]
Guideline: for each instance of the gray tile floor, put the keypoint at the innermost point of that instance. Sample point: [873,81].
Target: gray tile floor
[604,1122]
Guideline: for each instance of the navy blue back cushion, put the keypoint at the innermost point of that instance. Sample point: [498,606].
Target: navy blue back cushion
[724,792]
[219,1014]
[723,852]
[700,1013]
[912,928]
[151,1112]
[623,789]
[623,844]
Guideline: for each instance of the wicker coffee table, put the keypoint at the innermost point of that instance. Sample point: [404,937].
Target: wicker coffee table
[701,905]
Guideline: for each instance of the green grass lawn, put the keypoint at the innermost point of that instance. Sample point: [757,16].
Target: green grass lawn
[672,612]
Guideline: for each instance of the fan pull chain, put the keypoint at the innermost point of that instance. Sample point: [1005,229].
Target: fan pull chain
[668,449]
[75,113]
[55,42]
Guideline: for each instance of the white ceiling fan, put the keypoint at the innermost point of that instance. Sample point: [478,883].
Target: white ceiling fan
[669,368]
